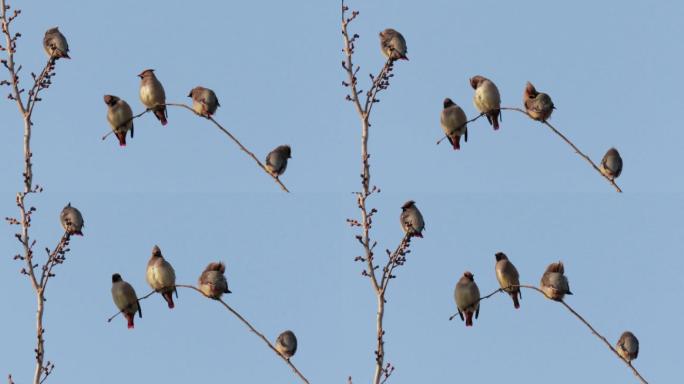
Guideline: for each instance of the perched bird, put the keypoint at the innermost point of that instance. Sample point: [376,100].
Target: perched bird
[276,160]
[393,45]
[467,296]
[204,101]
[212,281]
[120,117]
[611,165]
[554,284]
[411,219]
[453,121]
[628,346]
[538,105]
[286,344]
[507,276]
[487,99]
[55,44]
[161,276]
[72,220]
[152,94]
[125,299]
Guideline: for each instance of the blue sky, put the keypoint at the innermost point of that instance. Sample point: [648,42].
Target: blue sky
[613,70]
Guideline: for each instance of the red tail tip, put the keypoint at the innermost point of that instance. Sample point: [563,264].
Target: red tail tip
[130,323]
[469,319]
[456,143]
[418,234]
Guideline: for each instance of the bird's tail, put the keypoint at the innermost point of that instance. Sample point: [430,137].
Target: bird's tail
[516,303]
[122,138]
[456,143]
[169,299]
[469,318]
[495,119]
[130,321]
[161,115]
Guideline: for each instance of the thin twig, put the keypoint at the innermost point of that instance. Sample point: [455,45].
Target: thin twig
[224,130]
[395,259]
[40,82]
[459,127]
[571,144]
[241,318]
[139,299]
[578,316]
[378,83]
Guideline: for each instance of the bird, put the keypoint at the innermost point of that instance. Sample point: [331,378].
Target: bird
[453,121]
[554,284]
[393,45]
[411,219]
[276,160]
[204,101]
[125,299]
[161,276]
[55,44]
[120,117]
[628,346]
[286,344]
[152,94]
[538,105]
[611,165]
[212,282]
[487,99]
[467,296]
[507,275]
[72,220]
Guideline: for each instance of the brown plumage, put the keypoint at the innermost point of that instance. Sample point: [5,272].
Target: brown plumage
[120,117]
[276,160]
[286,344]
[453,121]
[152,94]
[393,45]
[125,299]
[538,105]
[212,282]
[554,284]
[611,164]
[55,44]
[628,346]
[204,101]
[487,99]
[467,296]
[507,275]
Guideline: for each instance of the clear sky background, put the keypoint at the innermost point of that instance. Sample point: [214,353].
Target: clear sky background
[613,69]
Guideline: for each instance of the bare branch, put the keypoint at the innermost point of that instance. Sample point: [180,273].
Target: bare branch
[224,130]
[571,144]
[42,369]
[580,318]
[10,48]
[379,83]
[460,126]
[109,320]
[242,319]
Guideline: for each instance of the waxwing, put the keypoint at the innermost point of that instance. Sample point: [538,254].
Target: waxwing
[487,99]
[152,94]
[161,276]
